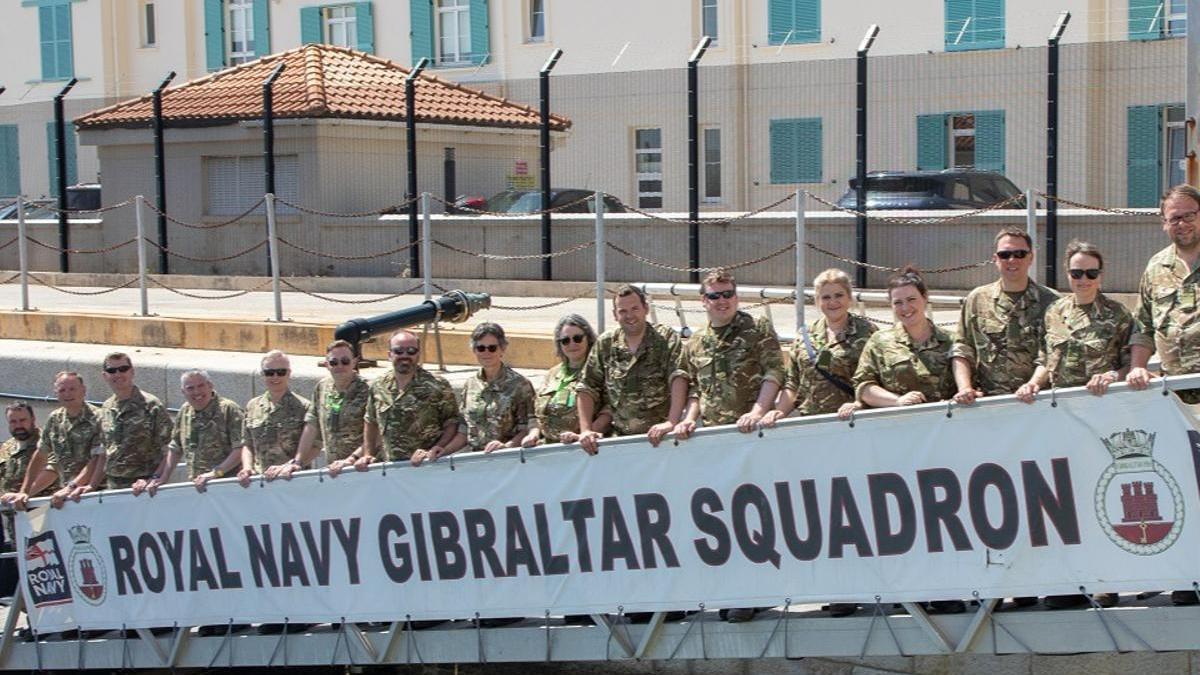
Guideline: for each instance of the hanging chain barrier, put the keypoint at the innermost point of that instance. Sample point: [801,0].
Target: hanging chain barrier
[915,221]
[510,214]
[708,221]
[1144,213]
[532,256]
[80,251]
[197,296]
[673,268]
[73,212]
[888,323]
[60,289]
[332,256]
[885,268]
[8,243]
[342,301]
[201,259]
[205,226]
[11,279]
[393,209]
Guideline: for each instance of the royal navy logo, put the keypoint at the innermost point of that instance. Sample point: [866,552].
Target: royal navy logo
[1138,503]
[87,568]
[44,572]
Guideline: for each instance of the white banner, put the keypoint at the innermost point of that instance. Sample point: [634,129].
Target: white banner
[999,500]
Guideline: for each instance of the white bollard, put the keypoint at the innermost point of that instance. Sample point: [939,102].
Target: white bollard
[801,249]
[273,247]
[1031,227]
[23,253]
[426,247]
[141,255]
[599,262]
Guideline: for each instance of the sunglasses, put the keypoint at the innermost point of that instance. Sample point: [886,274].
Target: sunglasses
[567,339]
[1079,274]
[401,351]
[713,295]
[117,369]
[486,348]
[330,362]
[274,372]
[1006,255]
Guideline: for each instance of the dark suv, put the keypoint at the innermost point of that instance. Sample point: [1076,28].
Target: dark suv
[948,189]
[528,201]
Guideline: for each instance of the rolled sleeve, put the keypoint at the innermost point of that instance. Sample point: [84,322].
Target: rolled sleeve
[1142,334]
[867,373]
[964,346]
[591,382]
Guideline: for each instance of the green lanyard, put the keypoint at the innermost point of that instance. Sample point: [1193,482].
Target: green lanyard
[566,384]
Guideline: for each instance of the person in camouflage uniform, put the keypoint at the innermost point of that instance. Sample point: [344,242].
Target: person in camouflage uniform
[557,414]
[635,368]
[835,341]
[274,420]
[18,455]
[1000,331]
[207,433]
[335,416]
[72,441]
[497,401]
[411,414]
[734,365]
[1087,334]
[136,429]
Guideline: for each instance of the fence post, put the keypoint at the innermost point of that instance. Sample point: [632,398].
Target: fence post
[141,253]
[23,253]
[426,247]
[273,249]
[1031,228]
[801,249]
[599,261]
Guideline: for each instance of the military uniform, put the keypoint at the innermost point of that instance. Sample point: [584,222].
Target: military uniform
[339,415]
[815,394]
[414,418]
[272,430]
[1167,319]
[69,443]
[1085,340]
[555,404]
[204,438]
[1000,336]
[893,361]
[495,411]
[726,366]
[135,432]
[14,462]
[636,387]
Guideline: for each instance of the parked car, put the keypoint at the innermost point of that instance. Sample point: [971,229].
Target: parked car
[947,189]
[34,210]
[527,201]
[82,196]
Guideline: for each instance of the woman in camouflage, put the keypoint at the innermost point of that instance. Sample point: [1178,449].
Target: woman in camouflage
[557,416]
[497,402]
[821,365]
[1087,334]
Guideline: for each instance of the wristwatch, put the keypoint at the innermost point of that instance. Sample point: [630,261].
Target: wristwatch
[218,473]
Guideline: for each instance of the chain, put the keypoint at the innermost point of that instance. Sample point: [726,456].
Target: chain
[102,209]
[532,256]
[888,323]
[208,226]
[326,298]
[884,268]
[689,310]
[545,305]
[227,296]
[708,221]
[47,284]
[1104,209]
[382,254]
[394,208]
[11,279]
[510,214]
[207,260]
[734,266]
[8,243]
[916,221]
[82,251]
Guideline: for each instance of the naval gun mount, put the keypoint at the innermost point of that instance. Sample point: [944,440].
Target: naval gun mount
[455,307]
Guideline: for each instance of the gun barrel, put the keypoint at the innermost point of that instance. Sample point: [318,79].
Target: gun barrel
[455,307]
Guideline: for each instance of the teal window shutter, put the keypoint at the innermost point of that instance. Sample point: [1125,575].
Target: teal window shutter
[54,36]
[10,162]
[420,16]
[481,48]
[262,27]
[52,155]
[214,34]
[1146,19]
[974,24]
[989,140]
[310,26]
[808,21]
[1143,163]
[989,24]
[365,22]
[793,21]
[931,142]
[796,150]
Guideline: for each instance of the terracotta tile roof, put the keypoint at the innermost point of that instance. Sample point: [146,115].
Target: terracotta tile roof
[320,81]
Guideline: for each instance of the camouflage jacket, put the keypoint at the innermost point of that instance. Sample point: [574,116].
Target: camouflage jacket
[136,431]
[727,366]
[1001,338]
[1167,319]
[636,387]
[204,438]
[272,430]
[815,395]
[891,360]
[555,405]
[414,418]
[339,415]
[70,443]
[14,462]
[495,411]
[1085,341]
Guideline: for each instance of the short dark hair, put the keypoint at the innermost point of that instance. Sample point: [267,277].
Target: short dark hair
[488,328]
[908,276]
[115,356]
[1183,190]
[1012,231]
[625,290]
[1086,248]
[19,405]
[339,343]
[717,276]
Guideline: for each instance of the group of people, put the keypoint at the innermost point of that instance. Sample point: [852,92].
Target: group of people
[1014,336]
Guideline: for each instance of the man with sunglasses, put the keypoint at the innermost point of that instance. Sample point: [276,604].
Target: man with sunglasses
[207,433]
[411,413]
[274,420]
[136,430]
[1001,327]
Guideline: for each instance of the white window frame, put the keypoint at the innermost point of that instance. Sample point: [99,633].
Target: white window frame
[638,177]
[708,165]
[245,10]
[454,14]
[710,8]
[954,135]
[1171,127]
[233,183]
[339,26]
[147,22]
[535,8]
[1175,18]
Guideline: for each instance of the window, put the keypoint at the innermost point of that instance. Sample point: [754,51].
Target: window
[1175,171]
[647,163]
[233,184]
[793,21]
[346,25]
[964,140]
[537,21]
[1154,19]
[148,29]
[10,161]
[52,154]
[1155,152]
[974,24]
[241,31]
[796,150]
[712,165]
[341,26]
[708,19]
[454,32]
[54,30]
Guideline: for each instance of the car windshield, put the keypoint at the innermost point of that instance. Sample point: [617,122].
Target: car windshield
[902,185]
[503,202]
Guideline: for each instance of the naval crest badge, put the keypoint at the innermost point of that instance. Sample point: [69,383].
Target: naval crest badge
[87,567]
[1138,502]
